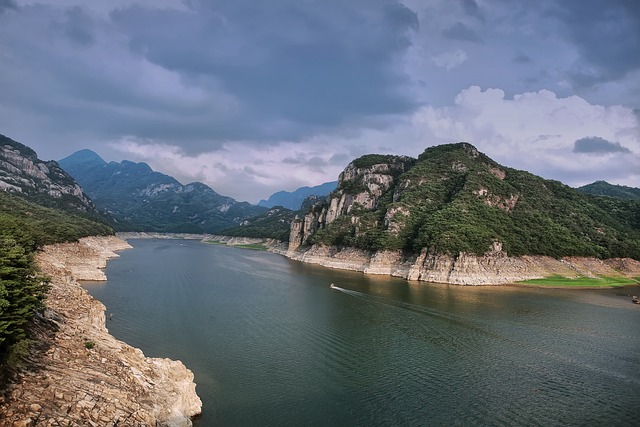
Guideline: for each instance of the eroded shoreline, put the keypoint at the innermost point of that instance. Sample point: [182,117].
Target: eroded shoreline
[491,269]
[81,375]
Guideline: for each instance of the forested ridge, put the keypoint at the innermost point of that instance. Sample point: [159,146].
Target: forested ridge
[454,199]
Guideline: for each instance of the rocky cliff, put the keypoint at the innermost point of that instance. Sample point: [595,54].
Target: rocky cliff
[360,186]
[22,173]
[455,216]
[494,268]
[82,376]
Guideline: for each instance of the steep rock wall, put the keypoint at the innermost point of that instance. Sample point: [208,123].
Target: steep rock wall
[22,172]
[359,187]
[493,268]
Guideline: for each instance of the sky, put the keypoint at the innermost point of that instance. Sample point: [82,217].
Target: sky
[253,97]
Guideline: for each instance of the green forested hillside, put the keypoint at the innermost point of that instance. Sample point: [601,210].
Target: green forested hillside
[273,224]
[25,226]
[137,198]
[603,188]
[455,199]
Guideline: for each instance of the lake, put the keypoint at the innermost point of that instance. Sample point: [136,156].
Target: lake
[270,343]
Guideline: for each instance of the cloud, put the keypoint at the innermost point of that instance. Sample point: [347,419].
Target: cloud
[461,32]
[243,170]
[307,65]
[537,131]
[607,35]
[78,26]
[450,59]
[522,58]
[534,131]
[226,71]
[471,8]
[597,145]
[279,80]
[7,5]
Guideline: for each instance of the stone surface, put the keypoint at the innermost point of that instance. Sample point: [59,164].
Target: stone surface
[493,268]
[66,383]
[22,172]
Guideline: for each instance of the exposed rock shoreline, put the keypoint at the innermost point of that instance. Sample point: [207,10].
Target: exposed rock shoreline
[80,375]
[494,268]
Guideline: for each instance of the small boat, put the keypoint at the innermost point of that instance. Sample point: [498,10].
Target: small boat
[332,286]
[634,300]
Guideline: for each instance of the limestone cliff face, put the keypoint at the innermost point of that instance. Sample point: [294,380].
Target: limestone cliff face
[493,268]
[110,383]
[359,186]
[22,172]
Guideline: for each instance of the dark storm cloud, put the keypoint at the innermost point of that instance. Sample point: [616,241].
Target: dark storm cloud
[606,34]
[310,64]
[459,31]
[6,5]
[597,145]
[78,26]
[522,58]
[471,8]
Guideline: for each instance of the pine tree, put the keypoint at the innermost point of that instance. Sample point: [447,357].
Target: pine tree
[22,291]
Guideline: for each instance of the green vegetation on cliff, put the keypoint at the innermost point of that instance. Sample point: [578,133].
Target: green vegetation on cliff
[24,227]
[273,224]
[603,188]
[456,199]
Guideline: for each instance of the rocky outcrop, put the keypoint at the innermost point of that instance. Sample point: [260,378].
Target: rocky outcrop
[493,268]
[23,173]
[82,376]
[359,186]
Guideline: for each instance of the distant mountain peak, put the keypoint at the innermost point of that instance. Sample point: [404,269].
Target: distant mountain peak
[82,156]
[141,199]
[294,199]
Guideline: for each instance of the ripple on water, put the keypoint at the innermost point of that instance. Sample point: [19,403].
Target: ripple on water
[271,344]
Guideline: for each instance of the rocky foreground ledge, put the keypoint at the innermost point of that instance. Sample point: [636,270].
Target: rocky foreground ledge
[82,376]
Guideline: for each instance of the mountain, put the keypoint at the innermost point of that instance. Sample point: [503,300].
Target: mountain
[603,188]
[272,224]
[45,183]
[453,199]
[40,204]
[141,199]
[293,200]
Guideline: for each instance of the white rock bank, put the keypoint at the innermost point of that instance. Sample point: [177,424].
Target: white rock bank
[81,375]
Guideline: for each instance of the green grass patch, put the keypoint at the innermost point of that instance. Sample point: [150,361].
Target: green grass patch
[584,282]
[252,246]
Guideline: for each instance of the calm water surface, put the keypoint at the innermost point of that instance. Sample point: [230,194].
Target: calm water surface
[271,344]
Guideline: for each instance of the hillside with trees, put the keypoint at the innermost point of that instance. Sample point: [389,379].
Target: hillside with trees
[603,188]
[137,198]
[40,205]
[454,199]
